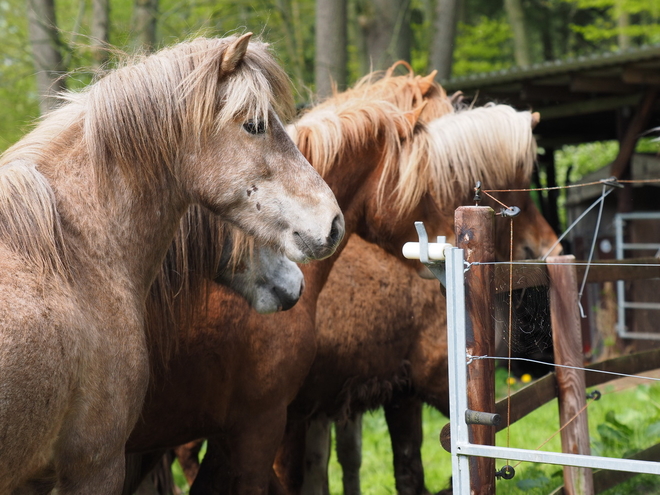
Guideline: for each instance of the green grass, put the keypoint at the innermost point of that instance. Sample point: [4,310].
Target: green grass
[620,423]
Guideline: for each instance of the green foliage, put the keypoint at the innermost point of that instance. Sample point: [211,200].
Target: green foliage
[483,47]
[643,21]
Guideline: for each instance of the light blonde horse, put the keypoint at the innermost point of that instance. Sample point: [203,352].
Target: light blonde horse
[89,203]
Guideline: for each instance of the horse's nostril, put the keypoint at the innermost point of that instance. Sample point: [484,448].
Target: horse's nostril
[286,300]
[336,231]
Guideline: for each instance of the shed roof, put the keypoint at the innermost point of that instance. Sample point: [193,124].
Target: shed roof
[578,99]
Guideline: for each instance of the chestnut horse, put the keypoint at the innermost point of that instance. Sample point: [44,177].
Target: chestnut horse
[382,337]
[236,371]
[89,203]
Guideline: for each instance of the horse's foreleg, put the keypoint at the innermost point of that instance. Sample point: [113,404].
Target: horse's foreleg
[404,420]
[242,465]
[214,474]
[290,460]
[317,455]
[349,452]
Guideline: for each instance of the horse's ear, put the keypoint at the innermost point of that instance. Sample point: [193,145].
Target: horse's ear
[425,83]
[393,67]
[235,53]
[413,115]
[536,118]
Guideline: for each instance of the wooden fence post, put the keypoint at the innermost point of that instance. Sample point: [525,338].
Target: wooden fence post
[474,228]
[567,342]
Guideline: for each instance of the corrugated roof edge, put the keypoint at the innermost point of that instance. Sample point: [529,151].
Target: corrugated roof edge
[550,68]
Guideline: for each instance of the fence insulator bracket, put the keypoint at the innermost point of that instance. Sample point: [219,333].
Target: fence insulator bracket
[431,254]
[477,193]
[507,472]
[510,212]
[612,182]
[482,418]
[595,395]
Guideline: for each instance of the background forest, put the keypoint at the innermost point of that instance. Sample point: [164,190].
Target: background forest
[48,45]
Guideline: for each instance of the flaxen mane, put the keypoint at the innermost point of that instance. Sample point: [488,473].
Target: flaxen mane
[29,221]
[493,144]
[407,92]
[141,112]
[439,158]
[379,108]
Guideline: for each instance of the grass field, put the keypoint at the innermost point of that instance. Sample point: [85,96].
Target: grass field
[620,423]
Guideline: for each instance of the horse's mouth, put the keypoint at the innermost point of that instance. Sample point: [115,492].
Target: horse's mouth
[310,249]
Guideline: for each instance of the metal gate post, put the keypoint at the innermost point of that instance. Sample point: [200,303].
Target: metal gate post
[457,360]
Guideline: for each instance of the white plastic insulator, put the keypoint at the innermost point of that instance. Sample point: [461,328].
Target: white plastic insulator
[436,251]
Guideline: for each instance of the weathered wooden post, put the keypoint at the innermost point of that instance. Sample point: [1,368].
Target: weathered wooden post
[567,342]
[474,228]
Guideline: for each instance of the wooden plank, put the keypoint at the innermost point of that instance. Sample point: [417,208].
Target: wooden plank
[527,400]
[534,273]
[638,124]
[640,76]
[622,270]
[474,228]
[589,84]
[588,106]
[567,343]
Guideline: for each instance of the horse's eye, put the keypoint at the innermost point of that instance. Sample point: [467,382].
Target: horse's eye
[253,127]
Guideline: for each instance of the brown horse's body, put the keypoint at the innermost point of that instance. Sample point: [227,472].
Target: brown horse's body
[89,203]
[381,334]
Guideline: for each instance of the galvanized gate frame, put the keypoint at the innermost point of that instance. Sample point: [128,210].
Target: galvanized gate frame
[459,359]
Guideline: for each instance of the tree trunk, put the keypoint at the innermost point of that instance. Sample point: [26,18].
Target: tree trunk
[623,22]
[48,63]
[331,53]
[99,30]
[144,18]
[293,40]
[385,25]
[514,12]
[444,34]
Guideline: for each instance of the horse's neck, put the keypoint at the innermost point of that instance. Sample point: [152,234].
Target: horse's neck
[121,234]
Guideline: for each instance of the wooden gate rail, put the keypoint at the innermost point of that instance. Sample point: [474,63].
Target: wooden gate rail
[543,390]
[533,273]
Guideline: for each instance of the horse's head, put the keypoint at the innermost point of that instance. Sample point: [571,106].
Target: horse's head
[268,280]
[495,146]
[208,110]
[366,143]
[269,190]
[533,237]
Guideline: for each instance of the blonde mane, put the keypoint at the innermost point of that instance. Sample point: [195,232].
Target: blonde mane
[406,92]
[444,157]
[137,116]
[29,222]
[493,144]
